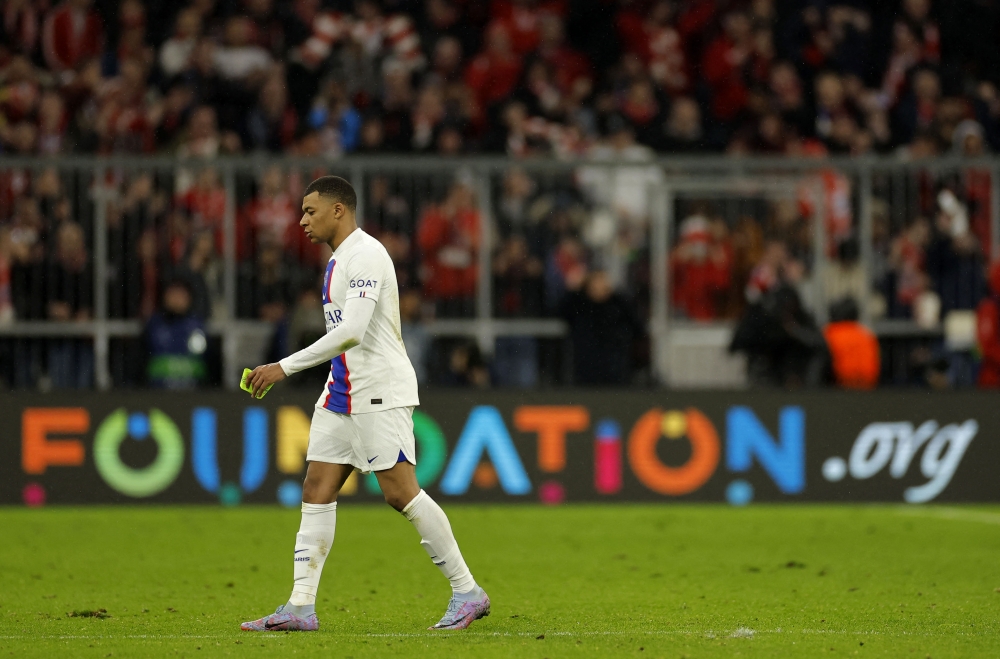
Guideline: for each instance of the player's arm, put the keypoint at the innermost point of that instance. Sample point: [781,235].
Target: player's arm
[349,333]
[364,280]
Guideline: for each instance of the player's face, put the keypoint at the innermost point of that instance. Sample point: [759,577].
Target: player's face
[320,217]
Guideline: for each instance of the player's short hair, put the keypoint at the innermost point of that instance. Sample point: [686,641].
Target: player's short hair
[336,188]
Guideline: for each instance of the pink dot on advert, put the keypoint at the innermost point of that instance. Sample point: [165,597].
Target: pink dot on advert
[551,493]
[34,495]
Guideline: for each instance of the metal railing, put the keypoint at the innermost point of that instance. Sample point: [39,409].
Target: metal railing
[884,195]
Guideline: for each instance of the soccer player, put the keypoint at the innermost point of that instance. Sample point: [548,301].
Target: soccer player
[363,418]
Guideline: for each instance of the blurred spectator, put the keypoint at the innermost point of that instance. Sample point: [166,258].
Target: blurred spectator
[123,123]
[27,248]
[602,327]
[513,207]
[21,26]
[202,271]
[416,339]
[683,130]
[176,52]
[568,65]
[766,274]
[388,218]
[727,65]
[176,341]
[789,98]
[493,74]
[239,59]
[271,217]
[517,276]
[700,270]
[338,122]
[988,331]
[658,43]
[844,278]
[269,283]
[907,279]
[918,109]
[783,345]
[200,140]
[448,235]
[205,204]
[70,290]
[854,349]
[52,124]
[518,292]
[969,141]
[624,191]
[72,32]
[466,367]
[6,297]
[271,124]
[954,257]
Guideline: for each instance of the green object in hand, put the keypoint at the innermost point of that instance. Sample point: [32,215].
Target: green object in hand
[245,383]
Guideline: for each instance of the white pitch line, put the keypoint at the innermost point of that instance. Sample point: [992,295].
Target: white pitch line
[956,514]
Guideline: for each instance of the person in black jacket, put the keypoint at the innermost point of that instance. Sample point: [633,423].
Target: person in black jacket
[69,281]
[602,326]
[784,346]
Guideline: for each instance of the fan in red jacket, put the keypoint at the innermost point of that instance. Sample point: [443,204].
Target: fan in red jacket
[988,332]
[568,64]
[448,236]
[653,37]
[523,18]
[493,74]
[72,33]
[700,270]
[725,62]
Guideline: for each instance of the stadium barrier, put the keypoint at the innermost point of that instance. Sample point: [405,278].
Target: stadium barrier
[553,447]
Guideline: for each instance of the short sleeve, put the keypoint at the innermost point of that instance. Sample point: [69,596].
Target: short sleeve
[365,270]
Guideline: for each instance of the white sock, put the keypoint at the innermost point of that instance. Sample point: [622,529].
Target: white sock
[312,544]
[439,541]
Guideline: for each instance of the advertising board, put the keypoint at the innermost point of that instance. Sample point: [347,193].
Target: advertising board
[554,447]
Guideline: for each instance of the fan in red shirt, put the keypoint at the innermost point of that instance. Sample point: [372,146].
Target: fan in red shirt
[493,74]
[523,18]
[700,270]
[72,33]
[448,236]
[205,204]
[988,332]
[568,64]
[123,122]
[271,218]
[655,40]
[723,65]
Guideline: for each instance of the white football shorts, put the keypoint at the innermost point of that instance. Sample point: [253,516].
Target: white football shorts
[373,441]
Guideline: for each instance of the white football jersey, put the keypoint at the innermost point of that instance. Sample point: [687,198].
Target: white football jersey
[377,374]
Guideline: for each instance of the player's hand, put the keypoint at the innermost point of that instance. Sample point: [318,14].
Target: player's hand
[262,376]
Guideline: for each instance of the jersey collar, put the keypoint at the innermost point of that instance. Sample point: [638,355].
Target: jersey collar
[349,241]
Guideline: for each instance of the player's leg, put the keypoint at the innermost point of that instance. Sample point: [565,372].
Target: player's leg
[312,545]
[316,530]
[329,456]
[469,602]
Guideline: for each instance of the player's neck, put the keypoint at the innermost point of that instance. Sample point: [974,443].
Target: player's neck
[345,230]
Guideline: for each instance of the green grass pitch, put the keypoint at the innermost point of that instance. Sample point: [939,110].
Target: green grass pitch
[580,580]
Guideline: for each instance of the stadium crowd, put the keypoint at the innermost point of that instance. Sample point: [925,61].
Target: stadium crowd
[589,79]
